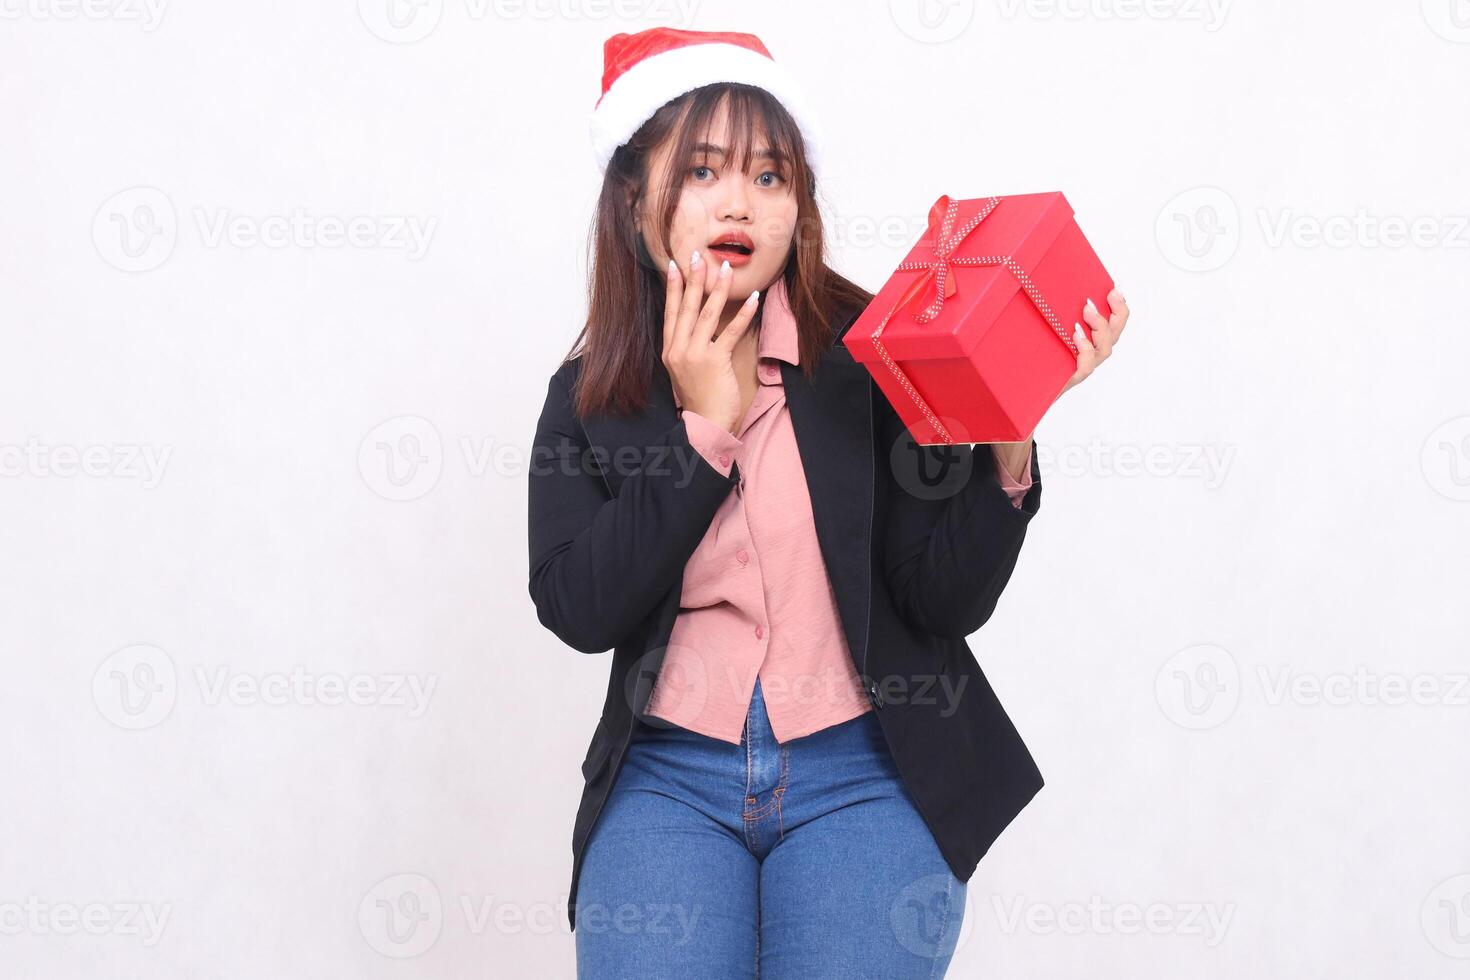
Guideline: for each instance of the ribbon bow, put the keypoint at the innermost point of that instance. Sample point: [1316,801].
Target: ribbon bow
[946,240]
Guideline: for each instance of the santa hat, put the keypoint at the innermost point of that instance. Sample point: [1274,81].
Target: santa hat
[643,71]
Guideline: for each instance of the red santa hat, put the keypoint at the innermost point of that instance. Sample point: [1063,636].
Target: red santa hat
[643,71]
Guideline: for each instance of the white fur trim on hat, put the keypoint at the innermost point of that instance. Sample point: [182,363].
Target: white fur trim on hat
[641,90]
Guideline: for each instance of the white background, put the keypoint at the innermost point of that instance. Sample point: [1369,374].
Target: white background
[1201,653]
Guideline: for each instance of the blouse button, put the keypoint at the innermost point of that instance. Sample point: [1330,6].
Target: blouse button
[760,631]
[724,460]
[742,556]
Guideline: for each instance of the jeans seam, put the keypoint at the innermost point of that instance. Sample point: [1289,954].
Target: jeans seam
[781,791]
[747,824]
[757,929]
[776,793]
[943,925]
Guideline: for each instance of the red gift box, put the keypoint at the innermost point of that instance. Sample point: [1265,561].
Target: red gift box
[971,338]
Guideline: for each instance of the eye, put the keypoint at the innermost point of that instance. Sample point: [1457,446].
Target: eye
[695,172]
[770,173]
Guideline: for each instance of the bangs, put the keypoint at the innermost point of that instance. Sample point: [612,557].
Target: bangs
[757,122]
[753,115]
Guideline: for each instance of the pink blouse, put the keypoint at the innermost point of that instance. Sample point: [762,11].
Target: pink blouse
[756,599]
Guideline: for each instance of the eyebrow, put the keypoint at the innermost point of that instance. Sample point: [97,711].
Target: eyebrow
[712,148]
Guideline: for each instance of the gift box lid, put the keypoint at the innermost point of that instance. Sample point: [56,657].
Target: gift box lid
[1021,226]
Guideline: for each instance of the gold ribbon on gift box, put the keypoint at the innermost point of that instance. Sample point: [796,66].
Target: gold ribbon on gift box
[946,240]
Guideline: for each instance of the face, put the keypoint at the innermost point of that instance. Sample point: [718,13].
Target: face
[718,202]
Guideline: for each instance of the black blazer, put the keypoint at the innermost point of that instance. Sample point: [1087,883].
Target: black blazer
[918,542]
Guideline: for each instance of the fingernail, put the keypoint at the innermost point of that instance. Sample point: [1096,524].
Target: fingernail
[1077,331]
[1091,306]
[673,267]
[694,259]
[754,297]
[724,268]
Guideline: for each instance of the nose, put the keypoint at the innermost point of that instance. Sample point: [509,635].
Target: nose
[735,205]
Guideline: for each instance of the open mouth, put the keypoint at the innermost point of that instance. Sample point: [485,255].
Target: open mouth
[734,245]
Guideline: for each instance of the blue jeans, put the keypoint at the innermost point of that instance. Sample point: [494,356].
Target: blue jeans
[801,860]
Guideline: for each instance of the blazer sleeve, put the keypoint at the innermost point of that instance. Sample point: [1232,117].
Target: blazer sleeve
[953,534]
[600,563]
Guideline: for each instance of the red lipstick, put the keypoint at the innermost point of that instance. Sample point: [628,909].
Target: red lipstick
[735,247]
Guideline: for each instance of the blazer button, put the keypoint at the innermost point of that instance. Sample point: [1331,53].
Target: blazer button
[760,631]
[742,556]
[874,696]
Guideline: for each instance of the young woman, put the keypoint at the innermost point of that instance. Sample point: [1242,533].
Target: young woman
[799,762]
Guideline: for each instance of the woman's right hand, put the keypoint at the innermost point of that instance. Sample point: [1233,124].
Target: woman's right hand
[701,368]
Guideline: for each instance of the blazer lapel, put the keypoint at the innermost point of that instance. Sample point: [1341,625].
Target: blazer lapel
[832,419]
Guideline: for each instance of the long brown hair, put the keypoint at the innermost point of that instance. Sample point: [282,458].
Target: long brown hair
[621,342]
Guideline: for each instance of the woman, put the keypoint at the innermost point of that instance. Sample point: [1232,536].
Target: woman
[799,762]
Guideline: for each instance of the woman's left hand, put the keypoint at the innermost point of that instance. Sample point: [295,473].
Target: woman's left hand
[1105,333]
[1012,456]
